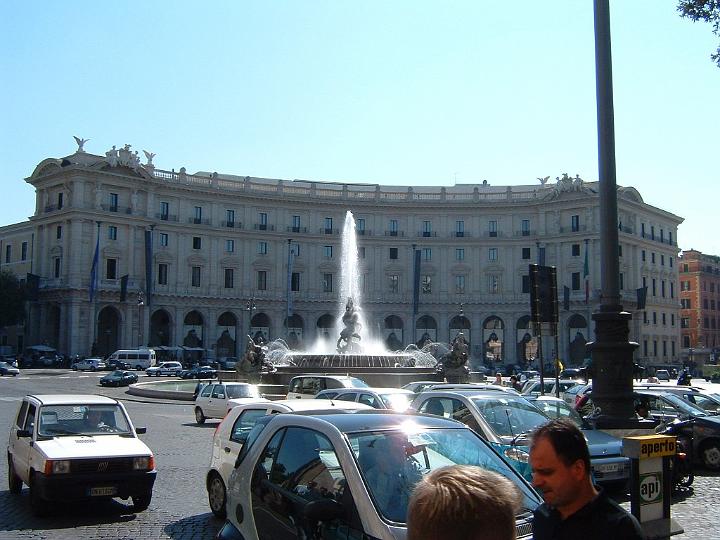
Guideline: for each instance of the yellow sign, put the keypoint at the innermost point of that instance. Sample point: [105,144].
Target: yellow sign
[649,446]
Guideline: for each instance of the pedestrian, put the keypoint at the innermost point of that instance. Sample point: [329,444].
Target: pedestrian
[498,379]
[515,383]
[461,502]
[573,508]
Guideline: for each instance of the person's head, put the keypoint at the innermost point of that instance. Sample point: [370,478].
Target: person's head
[94,416]
[461,502]
[560,462]
[642,409]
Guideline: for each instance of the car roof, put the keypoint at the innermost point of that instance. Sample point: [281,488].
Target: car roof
[297,405]
[73,399]
[340,377]
[379,420]
[483,394]
[378,390]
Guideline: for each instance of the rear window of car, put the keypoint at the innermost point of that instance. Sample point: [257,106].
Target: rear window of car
[244,424]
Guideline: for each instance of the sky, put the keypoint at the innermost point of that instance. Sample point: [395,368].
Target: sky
[400,92]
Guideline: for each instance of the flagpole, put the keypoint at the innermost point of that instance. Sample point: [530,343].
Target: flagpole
[93,281]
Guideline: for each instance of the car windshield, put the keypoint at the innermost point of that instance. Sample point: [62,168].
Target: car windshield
[397,402]
[392,462]
[60,420]
[558,409]
[683,406]
[509,417]
[242,391]
[354,382]
[117,374]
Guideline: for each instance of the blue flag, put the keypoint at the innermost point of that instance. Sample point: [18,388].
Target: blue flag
[93,271]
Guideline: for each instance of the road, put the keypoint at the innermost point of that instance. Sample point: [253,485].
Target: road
[179,507]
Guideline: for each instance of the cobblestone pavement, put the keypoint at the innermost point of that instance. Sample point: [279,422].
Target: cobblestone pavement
[179,507]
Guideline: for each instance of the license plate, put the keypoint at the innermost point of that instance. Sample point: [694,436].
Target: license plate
[608,468]
[103,491]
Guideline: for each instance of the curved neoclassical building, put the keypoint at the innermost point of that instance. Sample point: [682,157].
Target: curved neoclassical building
[207,258]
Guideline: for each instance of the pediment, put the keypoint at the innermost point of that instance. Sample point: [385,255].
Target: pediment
[196,259]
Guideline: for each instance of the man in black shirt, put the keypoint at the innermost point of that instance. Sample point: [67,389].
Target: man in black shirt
[573,507]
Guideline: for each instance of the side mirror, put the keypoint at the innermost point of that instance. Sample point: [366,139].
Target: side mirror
[323,510]
[141,430]
[23,433]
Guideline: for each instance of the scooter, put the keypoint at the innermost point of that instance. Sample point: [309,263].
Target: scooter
[682,474]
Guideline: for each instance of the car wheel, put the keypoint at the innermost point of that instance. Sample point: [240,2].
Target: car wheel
[199,416]
[38,505]
[14,481]
[92,368]
[141,501]
[217,495]
[710,453]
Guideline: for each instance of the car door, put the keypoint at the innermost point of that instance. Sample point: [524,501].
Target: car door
[203,399]
[217,405]
[238,435]
[371,399]
[298,467]
[22,446]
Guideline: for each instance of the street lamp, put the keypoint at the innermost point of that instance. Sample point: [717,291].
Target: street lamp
[140,303]
[250,307]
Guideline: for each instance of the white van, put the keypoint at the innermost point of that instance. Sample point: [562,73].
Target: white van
[137,358]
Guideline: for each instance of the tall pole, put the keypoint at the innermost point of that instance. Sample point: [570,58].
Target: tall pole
[612,353]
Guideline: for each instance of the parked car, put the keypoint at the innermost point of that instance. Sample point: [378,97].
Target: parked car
[419,386]
[307,386]
[707,401]
[89,364]
[606,457]
[78,447]
[227,363]
[114,363]
[199,372]
[396,399]
[7,369]
[574,394]
[473,386]
[532,387]
[236,431]
[324,467]
[662,374]
[137,358]
[170,368]
[215,399]
[571,373]
[119,378]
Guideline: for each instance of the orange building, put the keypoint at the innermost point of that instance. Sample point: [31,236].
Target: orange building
[700,305]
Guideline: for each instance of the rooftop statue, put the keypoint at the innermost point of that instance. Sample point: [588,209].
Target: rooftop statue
[80,142]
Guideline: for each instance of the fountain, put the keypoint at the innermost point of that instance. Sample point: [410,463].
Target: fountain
[353,351]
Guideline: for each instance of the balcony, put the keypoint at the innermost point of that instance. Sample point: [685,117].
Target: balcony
[525,233]
[329,231]
[394,233]
[231,224]
[198,221]
[296,229]
[52,208]
[263,227]
[166,217]
[427,234]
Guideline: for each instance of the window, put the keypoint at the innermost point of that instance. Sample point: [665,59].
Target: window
[684,285]
[262,280]
[620,250]
[525,253]
[113,202]
[670,241]
[459,254]
[8,253]
[394,253]
[427,254]
[196,242]
[575,223]
[58,232]
[327,281]
[327,252]
[652,257]
[684,322]
[60,201]
[296,224]
[198,214]
[295,281]
[262,221]
[361,252]
[262,248]
[195,276]
[575,278]
[459,228]
[229,246]
[427,228]
[162,274]
[393,283]
[112,232]
[493,284]
[57,263]
[229,278]
[526,284]
[525,227]
[670,262]
[652,232]
[672,319]
[328,225]
[664,318]
[662,260]
[492,228]
[230,218]
[575,250]
[460,284]
[492,254]
[426,284]
[662,288]
[295,249]
[163,239]
[685,303]
[643,257]
[164,210]
[360,226]
[111,269]
[23,251]
[393,227]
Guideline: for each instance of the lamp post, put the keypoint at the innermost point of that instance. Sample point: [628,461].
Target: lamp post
[140,303]
[250,307]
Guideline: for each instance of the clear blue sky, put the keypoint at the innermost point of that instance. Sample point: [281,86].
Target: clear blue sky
[392,92]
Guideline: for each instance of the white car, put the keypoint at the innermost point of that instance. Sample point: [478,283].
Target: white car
[89,364]
[216,398]
[232,433]
[165,368]
[307,386]
[78,447]
[396,399]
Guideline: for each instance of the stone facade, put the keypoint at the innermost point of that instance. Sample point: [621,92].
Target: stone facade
[218,247]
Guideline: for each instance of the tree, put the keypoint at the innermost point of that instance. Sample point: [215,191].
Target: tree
[703,10]
[12,299]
